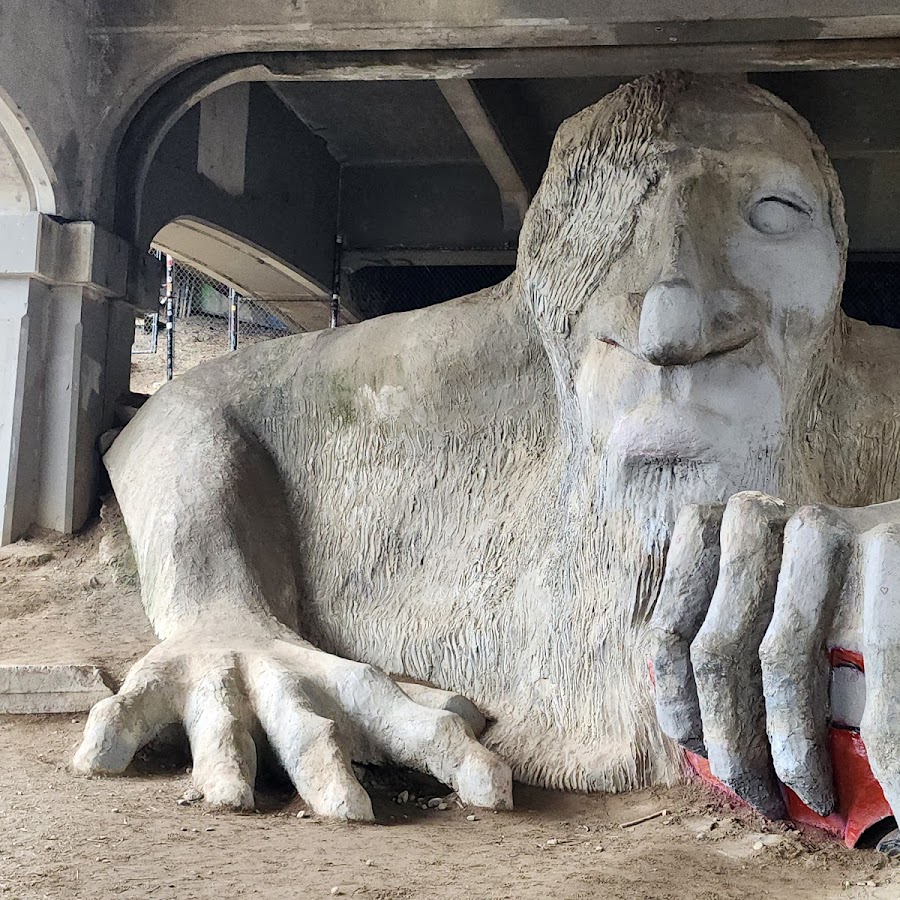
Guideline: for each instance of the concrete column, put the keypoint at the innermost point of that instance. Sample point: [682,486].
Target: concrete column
[57,283]
[21,340]
[222,140]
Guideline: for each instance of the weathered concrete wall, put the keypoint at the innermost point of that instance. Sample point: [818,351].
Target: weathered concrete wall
[873,188]
[14,188]
[290,198]
[101,59]
[51,68]
[420,206]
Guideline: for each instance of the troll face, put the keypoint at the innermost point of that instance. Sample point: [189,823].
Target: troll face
[684,259]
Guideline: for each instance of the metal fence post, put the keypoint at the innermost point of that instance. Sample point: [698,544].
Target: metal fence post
[170,321]
[203,318]
[154,332]
[336,282]
[233,320]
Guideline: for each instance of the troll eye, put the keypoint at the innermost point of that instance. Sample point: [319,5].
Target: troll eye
[776,215]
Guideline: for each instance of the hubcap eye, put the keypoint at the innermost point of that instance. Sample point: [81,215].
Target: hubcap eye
[775,215]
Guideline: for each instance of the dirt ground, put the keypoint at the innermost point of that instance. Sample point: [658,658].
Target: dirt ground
[91,839]
[197,338]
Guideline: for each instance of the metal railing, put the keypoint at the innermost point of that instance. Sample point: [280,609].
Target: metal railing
[202,318]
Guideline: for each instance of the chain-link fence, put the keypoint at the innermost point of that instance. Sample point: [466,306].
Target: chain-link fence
[872,290]
[146,334]
[208,319]
[377,290]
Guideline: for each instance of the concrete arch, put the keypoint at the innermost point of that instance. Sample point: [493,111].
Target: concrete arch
[133,128]
[249,269]
[128,149]
[26,178]
[152,89]
[275,191]
[128,167]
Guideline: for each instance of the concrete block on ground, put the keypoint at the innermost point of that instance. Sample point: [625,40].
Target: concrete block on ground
[51,688]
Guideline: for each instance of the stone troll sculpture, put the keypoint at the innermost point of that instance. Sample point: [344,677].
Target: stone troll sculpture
[482,495]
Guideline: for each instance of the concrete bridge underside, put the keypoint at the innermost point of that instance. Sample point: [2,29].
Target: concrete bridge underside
[276,144]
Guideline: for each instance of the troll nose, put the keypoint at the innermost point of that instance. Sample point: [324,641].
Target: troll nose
[681,325]
[672,330]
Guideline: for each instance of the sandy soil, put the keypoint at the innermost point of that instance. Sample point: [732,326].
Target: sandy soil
[197,338]
[66,837]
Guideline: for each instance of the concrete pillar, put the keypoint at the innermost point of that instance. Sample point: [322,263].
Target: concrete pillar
[222,140]
[57,285]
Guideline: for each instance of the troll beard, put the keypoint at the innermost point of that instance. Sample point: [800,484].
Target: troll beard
[585,719]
